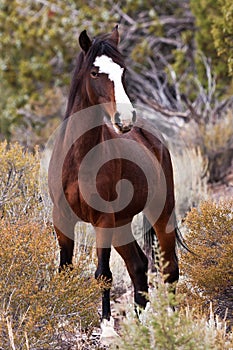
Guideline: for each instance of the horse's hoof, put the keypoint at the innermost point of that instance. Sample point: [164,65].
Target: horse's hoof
[108,333]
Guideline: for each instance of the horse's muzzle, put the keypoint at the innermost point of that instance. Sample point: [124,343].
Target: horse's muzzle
[124,125]
[124,128]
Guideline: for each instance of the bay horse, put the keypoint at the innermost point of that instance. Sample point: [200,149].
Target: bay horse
[109,165]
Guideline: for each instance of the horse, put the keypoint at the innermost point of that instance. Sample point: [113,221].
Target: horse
[108,165]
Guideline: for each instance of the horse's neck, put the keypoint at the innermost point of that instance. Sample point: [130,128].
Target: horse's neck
[84,129]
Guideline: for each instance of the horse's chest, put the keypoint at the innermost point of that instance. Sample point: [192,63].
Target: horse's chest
[118,186]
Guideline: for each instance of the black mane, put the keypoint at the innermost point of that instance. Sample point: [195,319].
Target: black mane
[101,45]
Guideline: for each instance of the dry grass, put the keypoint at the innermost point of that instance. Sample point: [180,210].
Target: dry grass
[190,178]
[215,140]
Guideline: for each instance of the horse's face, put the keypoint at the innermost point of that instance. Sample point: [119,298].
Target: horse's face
[104,85]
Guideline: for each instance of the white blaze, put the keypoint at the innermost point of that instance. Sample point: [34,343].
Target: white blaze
[114,71]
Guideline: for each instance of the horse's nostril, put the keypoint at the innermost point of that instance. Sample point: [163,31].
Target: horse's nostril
[134,117]
[117,118]
[119,125]
[124,128]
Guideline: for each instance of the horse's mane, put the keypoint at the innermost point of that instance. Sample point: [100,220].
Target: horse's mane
[101,45]
[75,83]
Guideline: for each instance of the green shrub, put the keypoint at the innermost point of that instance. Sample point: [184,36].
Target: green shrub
[39,308]
[209,15]
[162,328]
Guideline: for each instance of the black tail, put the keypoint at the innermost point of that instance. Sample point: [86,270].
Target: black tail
[181,242]
[150,237]
[150,245]
[149,234]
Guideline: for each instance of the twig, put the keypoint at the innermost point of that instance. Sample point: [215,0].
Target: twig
[167,112]
[10,333]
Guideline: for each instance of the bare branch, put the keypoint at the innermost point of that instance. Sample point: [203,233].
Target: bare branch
[168,113]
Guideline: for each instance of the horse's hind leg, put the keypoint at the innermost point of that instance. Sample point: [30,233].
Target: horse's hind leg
[165,230]
[167,243]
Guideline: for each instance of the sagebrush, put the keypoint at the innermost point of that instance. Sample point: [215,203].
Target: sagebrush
[208,272]
[167,325]
[38,306]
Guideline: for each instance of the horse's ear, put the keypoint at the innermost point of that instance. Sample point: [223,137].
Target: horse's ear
[84,41]
[115,35]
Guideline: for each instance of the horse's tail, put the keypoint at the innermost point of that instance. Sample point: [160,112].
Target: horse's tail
[150,236]
[149,244]
[180,240]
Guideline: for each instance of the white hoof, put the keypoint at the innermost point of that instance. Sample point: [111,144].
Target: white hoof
[108,333]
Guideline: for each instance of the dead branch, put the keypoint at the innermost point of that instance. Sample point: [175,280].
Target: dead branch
[167,112]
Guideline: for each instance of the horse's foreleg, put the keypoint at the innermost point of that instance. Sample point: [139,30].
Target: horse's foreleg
[103,272]
[64,228]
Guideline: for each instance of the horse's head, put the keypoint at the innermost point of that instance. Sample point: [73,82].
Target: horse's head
[103,78]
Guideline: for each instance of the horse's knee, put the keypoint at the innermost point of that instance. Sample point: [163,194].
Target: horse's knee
[103,270]
[103,274]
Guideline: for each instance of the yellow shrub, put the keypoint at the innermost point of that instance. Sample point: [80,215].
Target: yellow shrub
[209,274]
[19,187]
[38,306]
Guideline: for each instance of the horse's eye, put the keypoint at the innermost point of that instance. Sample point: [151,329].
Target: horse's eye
[94,74]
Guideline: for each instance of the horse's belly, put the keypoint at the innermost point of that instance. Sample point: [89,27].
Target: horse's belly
[121,200]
